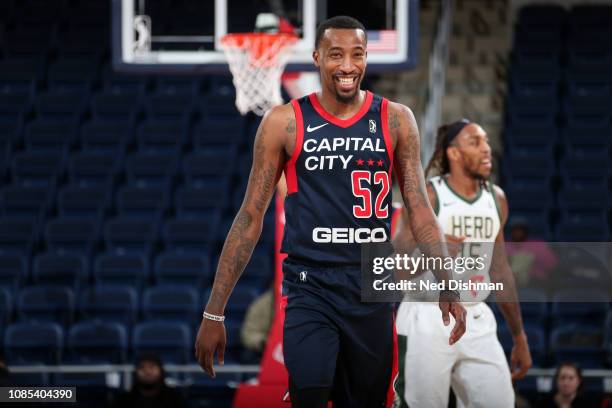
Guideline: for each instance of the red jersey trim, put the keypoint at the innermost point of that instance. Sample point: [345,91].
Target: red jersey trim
[290,173]
[343,123]
[384,119]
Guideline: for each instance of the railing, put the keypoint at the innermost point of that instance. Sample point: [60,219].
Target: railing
[116,372]
[544,376]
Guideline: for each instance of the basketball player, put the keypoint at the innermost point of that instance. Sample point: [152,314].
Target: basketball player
[471,211]
[336,148]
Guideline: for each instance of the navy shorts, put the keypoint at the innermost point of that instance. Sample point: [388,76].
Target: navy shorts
[332,339]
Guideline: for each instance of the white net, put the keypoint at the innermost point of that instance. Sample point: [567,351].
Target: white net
[257,61]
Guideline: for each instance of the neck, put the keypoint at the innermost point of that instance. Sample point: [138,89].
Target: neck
[340,109]
[463,184]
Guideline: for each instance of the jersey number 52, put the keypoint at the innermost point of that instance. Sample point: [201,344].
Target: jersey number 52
[362,182]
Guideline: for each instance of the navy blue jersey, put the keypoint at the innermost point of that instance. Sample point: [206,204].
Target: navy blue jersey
[338,182]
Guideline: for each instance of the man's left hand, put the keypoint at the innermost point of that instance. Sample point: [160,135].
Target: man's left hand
[520,358]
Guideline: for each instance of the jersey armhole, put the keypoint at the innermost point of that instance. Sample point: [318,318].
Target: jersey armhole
[494,194]
[437,206]
[290,173]
[384,120]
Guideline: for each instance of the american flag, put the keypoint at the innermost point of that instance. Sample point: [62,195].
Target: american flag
[382,40]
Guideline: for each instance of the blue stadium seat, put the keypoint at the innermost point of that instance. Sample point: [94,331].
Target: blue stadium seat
[77,201]
[33,342]
[547,15]
[526,163]
[46,304]
[21,73]
[578,343]
[589,93]
[200,199]
[520,196]
[220,107]
[14,103]
[18,235]
[259,272]
[93,168]
[60,269]
[171,341]
[168,84]
[583,226]
[190,233]
[37,168]
[121,269]
[6,308]
[162,136]
[180,268]
[585,307]
[213,134]
[537,219]
[202,167]
[120,83]
[170,105]
[172,303]
[116,106]
[148,168]
[581,116]
[587,136]
[72,74]
[534,306]
[26,201]
[10,130]
[74,235]
[130,234]
[13,271]
[581,196]
[50,136]
[111,303]
[61,105]
[105,136]
[96,342]
[142,201]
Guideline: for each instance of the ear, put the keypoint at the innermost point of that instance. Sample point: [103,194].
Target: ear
[315,58]
[452,153]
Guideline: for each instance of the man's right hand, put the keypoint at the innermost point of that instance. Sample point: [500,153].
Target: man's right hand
[211,339]
[450,305]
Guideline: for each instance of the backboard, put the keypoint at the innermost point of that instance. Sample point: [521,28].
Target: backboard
[183,36]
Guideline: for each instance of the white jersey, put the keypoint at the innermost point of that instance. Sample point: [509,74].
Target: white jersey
[478,220]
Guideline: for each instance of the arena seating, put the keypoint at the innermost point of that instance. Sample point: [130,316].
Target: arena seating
[117,192]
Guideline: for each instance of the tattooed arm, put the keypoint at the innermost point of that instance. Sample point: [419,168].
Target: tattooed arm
[424,226]
[425,229]
[507,299]
[275,133]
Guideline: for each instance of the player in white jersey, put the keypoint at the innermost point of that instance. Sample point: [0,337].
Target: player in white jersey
[472,212]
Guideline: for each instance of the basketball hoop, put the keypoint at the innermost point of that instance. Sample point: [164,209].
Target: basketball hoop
[257,61]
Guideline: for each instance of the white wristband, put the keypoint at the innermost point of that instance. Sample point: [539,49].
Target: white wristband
[213,317]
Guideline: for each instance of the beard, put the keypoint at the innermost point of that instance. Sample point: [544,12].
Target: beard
[346,98]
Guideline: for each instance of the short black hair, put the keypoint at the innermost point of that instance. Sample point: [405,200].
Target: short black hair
[338,22]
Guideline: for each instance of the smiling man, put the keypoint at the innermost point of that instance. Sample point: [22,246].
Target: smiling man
[337,149]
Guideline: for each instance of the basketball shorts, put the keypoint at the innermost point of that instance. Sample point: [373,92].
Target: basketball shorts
[332,339]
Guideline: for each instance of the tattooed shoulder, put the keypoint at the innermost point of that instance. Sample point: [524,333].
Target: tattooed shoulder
[394,120]
[290,128]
